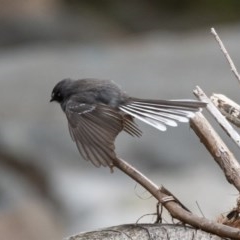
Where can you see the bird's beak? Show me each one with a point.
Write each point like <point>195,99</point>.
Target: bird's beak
<point>52,98</point>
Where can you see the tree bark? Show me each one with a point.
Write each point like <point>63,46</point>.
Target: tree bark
<point>146,232</point>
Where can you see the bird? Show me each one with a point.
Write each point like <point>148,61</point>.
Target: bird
<point>98,110</point>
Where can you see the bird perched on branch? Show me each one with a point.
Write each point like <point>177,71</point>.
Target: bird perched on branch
<point>98,110</point>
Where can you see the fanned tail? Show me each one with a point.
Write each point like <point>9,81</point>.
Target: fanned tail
<point>162,113</point>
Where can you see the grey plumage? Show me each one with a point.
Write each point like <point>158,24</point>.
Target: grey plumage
<point>98,110</point>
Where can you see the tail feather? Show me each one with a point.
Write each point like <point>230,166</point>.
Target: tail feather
<point>145,119</point>
<point>181,116</point>
<point>162,113</point>
<point>183,103</point>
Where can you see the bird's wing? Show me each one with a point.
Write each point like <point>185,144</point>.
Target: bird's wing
<point>94,129</point>
<point>162,113</point>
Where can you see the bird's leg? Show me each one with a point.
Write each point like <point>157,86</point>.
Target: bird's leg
<point>111,166</point>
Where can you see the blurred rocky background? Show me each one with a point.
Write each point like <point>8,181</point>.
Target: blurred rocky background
<point>153,49</point>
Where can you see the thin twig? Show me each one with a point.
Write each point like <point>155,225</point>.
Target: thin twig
<point>174,207</point>
<point>227,127</point>
<point>224,50</point>
<point>200,210</point>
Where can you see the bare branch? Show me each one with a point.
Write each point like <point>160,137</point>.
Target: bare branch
<point>220,152</point>
<point>224,50</point>
<point>174,208</point>
<point>218,116</point>
<point>227,107</point>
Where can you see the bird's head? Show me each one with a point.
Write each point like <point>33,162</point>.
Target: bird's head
<point>61,91</point>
